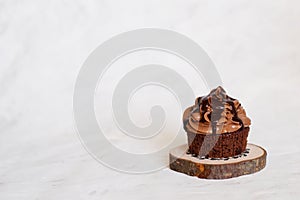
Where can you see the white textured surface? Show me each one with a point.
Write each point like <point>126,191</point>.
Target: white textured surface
<point>254,44</point>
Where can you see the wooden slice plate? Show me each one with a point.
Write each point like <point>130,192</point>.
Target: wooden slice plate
<point>253,162</point>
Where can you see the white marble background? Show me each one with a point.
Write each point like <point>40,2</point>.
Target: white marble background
<point>254,43</point>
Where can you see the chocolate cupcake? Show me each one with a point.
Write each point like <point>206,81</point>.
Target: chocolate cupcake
<point>216,126</point>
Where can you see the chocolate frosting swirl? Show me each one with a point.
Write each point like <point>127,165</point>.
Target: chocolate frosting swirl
<point>215,113</point>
